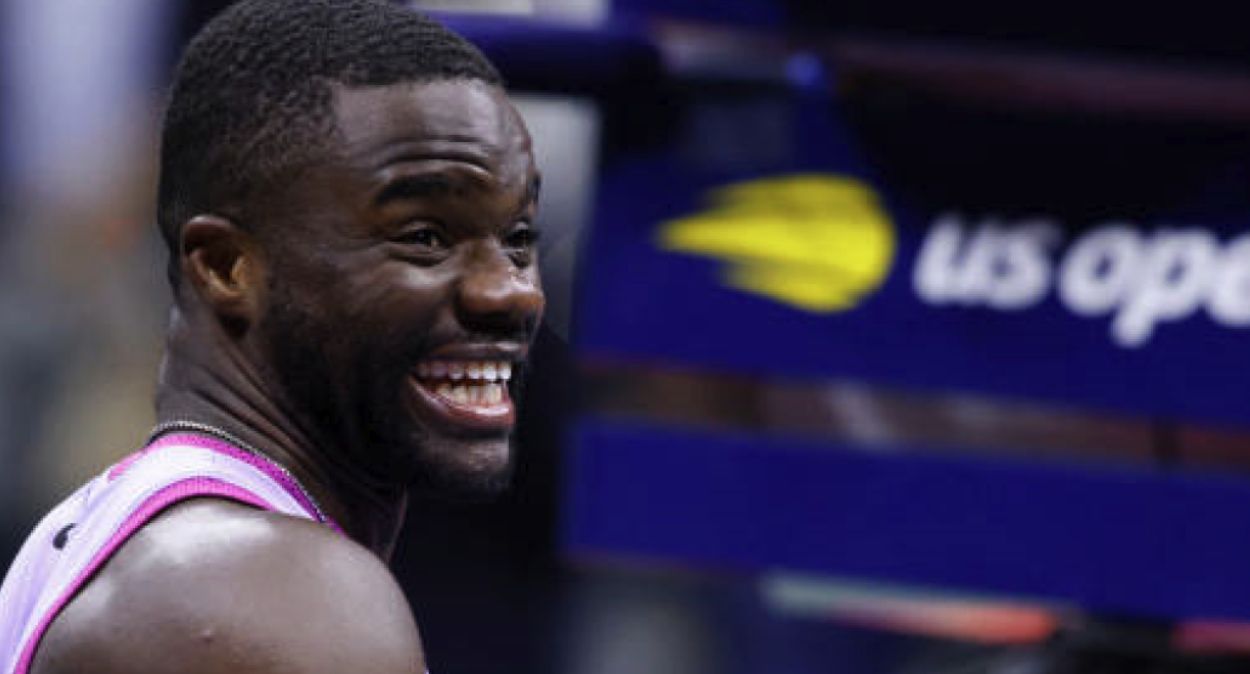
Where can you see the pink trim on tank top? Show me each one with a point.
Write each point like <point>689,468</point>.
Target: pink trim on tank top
<point>122,466</point>
<point>266,466</point>
<point>168,496</point>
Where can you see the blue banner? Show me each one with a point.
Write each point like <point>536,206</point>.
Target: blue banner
<point>764,241</point>
<point>1109,539</point>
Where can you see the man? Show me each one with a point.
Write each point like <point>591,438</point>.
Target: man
<point>348,200</point>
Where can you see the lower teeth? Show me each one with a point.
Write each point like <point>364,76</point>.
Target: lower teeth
<point>474,394</point>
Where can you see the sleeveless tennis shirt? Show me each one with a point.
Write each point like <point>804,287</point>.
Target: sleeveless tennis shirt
<point>74,540</point>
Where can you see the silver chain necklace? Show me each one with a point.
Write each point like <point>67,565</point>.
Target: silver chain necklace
<point>168,427</point>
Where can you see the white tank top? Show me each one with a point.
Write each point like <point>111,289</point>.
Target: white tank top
<point>74,540</point>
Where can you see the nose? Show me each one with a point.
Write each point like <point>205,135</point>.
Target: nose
<point>496,295</point>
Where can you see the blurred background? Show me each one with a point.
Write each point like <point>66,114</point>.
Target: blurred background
<point>896,338</point>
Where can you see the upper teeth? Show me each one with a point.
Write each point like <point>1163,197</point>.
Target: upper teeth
<point>482,370</point>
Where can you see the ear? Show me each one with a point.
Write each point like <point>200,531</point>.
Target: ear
<point>223,265</point>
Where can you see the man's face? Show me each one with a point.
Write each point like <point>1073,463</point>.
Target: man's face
<point>403,284</point>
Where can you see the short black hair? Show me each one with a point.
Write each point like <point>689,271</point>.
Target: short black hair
<point>252,95</point>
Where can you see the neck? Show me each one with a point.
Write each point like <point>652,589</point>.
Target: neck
<point>207,379</point>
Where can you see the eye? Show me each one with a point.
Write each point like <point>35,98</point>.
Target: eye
<point>521,242</point>
<point>422,237</point>
<point>522,237</point>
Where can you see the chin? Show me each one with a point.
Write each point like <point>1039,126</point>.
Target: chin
<point>465,469</point>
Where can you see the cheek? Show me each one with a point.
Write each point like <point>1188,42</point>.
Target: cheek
<point>394,311</point>
<point>365,313</point>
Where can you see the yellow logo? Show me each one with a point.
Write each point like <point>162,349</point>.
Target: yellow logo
<point>820,243</point>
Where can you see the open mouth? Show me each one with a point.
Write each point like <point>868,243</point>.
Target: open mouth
<point>470,393</point>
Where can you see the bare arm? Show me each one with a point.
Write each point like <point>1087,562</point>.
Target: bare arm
<point>213,587</point>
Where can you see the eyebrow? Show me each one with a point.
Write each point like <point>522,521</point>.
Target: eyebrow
<point>415,186</point>
<point>432,185</point>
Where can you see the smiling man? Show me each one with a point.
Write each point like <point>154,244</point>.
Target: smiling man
<point>348,197</point>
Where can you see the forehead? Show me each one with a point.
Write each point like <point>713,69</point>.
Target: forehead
<point>464,120</point>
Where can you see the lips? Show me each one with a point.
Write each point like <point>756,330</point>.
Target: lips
<point>469,393</point>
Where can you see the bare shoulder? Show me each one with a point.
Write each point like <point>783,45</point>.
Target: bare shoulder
<point>213,586</point>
